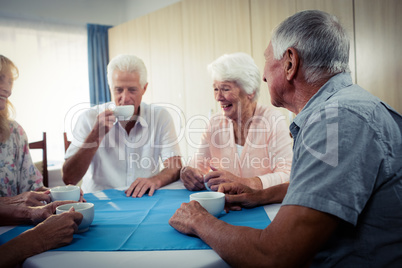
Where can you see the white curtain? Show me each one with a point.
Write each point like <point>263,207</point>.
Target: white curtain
<point>53,83</point>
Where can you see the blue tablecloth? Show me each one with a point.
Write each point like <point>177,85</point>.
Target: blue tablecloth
<point>123,223</point>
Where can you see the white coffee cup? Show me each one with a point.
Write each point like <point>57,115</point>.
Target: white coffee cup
<point>67,192</point>
<point>206,185</point>
<point>213,202</point>
<point>124,112</point>
<point>86,209</point>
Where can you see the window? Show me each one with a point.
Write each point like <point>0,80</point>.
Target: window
<point>53,83</point>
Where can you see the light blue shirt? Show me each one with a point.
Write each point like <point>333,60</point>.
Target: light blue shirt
<point>348,162</point>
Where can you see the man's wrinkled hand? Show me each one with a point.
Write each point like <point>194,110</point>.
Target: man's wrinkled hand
<point>104,123</point>
<point>142,185</point>
<point>238,196</point>
<point>187,216</point>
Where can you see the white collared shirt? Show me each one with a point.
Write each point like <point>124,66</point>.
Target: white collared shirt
<point>122,158</point>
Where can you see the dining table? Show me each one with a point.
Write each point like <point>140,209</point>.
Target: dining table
<point>134,232</point>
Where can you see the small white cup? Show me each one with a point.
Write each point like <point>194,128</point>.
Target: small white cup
<point>68,192</point>
<point>206,185</point>
<point>125,112</point>
<point>86,209</point>
<point>213,202</point>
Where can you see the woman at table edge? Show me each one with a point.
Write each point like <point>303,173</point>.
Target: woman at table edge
<point>248,142</point>
<point>20,180</point>
<point>55,230</point>
<point>17,172</point>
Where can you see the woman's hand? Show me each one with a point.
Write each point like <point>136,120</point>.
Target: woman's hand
<point>54,232</point>
<point>57,230</point>
<point>39,214</point>
<point>218,176</point>
<point>32,198</point>
<point>192,178</point>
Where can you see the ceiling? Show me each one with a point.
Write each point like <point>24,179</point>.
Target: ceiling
<point>80,12</point>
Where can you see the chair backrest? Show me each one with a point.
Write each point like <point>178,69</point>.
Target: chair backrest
<point>42,145</point>
<point>66,142</point>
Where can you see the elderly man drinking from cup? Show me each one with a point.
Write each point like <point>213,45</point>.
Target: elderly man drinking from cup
<point>248,142</point>
<point>110,154</point>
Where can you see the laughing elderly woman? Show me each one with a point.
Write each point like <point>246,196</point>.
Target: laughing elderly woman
<point>248,142</point>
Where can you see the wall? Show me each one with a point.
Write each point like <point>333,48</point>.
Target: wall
<point>378,56</point>
<point>177,42</point>
<point>266,15</point>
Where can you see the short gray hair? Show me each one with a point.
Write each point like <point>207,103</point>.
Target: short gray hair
<point>239,68</point>
<point>127,63</point>
<point>321,41</point>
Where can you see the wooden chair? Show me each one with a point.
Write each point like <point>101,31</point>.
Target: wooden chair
<point>42,145</point>
<point>66,142</point>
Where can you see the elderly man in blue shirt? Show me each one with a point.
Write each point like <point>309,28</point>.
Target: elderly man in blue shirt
<point>343,204</point>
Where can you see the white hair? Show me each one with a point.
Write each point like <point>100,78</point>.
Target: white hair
<point>127,63</point>
<point>320,40</point>
<point>239,68</point>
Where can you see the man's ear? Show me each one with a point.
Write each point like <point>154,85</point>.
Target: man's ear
<point>145,88</point>
<point>291,63</point>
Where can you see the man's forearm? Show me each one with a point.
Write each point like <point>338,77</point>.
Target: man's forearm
<point>14,215</point>
<point>171,172</point>
<point>254,183</point>
<point>76,166</point>
<point>219,235</point>
<point>12,254</point>
<point>168,175</point>
<point>15,251</point>
<point>273,194</point>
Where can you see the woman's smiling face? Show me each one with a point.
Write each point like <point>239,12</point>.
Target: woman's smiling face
<point>232,99</point>
<point>6,84</point>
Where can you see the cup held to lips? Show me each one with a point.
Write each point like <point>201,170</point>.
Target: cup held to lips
<point>86,209</point>
<point>213,202</point>
<point>67,192</point>
<point>124,112</point>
